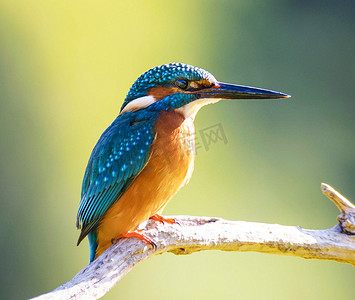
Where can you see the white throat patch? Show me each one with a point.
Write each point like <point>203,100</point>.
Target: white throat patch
<point>191,109</point>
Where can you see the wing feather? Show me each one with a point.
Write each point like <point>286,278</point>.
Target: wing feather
<point>118,157</point>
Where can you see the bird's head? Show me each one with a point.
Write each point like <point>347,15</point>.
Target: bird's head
<point>185,88</point>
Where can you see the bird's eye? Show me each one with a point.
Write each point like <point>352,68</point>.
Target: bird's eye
<point>182,84</point>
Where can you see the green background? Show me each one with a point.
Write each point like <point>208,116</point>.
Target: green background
<point>65,68</point>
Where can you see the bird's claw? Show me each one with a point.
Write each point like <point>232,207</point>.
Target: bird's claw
<point>163,220</point>
<point>137,234</point>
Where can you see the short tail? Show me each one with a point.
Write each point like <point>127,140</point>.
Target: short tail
<point>92,236</point>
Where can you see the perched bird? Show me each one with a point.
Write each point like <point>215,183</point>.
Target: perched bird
<point>139,163</point>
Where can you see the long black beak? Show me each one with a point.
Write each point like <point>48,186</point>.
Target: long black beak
<point>232,91</point>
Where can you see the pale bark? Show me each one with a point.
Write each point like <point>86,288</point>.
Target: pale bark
<point>193,234</point>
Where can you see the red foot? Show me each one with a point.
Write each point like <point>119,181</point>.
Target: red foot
<point>161,219</point>
<point>139,235</point>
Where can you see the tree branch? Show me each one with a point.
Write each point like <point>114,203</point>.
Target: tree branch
<point>193,234</point>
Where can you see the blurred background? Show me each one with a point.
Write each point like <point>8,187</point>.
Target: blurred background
<point>65,68</point>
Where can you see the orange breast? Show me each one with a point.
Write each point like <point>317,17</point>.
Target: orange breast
<point>168,169</point>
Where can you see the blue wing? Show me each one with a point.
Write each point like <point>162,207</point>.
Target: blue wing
<point>118,157</point>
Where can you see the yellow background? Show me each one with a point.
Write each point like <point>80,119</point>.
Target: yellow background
<point>65,68</point>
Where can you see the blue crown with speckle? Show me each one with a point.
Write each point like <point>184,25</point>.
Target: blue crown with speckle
<point>165,75</point>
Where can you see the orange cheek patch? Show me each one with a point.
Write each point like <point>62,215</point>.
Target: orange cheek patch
<point>160,92</point>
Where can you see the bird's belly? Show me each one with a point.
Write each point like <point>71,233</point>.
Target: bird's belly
<point>168,169</point>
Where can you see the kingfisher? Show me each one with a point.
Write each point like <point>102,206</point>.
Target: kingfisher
<point>141,160</point>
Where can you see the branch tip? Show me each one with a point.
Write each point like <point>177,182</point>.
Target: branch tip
<point>347,209</point>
